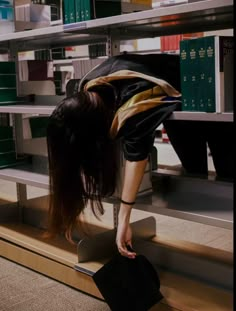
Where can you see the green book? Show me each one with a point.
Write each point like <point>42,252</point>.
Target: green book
<point>7,145</point>
<point>87,6</point>
<point>78,10</point>
<point>208,89</point>
<point>82,10</point>
<point>194,74</point>
<point>198,77</point>
<point>7,158</point>
<point>38,126</point>
<point>201,52</point>
<point>185,75</point>
<point>71,11</point>
<point>66,11</point>
<point>7,80</point>
<point>209,63</point>
<point>8,95</point>
<point>7,67</point>
<point>6,132</point>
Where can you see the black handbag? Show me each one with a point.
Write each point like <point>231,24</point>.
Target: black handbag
<point>129,284</point>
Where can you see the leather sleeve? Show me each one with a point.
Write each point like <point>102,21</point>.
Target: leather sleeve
<point>138,133</point>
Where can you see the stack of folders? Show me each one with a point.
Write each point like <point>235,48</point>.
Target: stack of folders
<point>207,74</point>
<point>55,7</point>
<point>31,16</point>
<point>81,10</point>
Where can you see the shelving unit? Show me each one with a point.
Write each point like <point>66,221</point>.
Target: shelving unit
<point>194,17</point>
<point>24,109</point>
<point>155,203</point>
<point>197,16</point>
<point>25,175</point>
<point>202,116</point>
<point>17,242</point>
<point>177,115</point>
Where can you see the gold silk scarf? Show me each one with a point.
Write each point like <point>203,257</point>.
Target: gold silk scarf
<point>139,102</point>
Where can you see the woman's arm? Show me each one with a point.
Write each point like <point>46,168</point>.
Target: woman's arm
<point>133,175</point>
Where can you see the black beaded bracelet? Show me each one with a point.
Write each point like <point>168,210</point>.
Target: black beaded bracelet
<point>128,203</point>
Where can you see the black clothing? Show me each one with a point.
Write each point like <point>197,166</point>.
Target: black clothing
<point>129,284</point>
<point>163,66</point>
<point>139,132</point>
<point>190,139</point>
<point>141,91</point>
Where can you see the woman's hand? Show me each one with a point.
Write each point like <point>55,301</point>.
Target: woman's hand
<point>124,238</point>
<point>133,175</point>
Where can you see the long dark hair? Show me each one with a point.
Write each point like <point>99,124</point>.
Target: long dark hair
<point>82,160</point>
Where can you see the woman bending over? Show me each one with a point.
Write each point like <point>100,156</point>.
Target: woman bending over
<point>122,100</point>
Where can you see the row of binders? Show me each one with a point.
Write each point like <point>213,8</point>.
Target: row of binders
<point>207,82</point>
<point>81,10</point>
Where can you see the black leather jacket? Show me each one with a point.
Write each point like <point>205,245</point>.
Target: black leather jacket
<point>142,90</point>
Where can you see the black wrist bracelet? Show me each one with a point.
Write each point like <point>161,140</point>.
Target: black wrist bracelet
<point>128,203</point>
